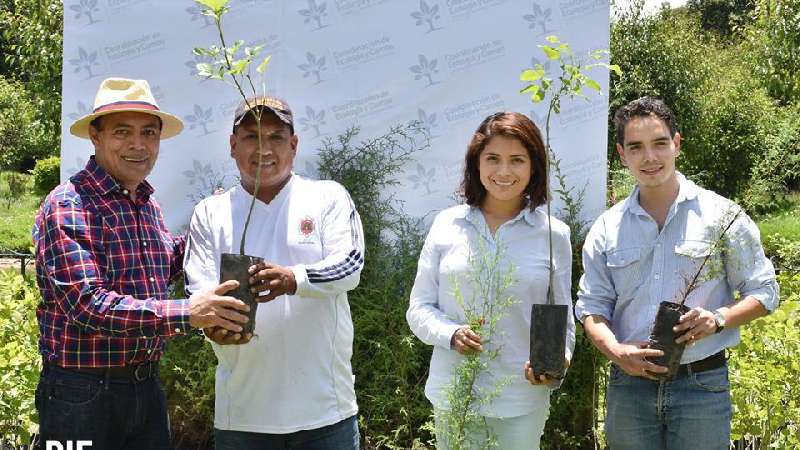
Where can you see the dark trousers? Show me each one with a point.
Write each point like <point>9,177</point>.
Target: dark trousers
<point>111,413</point>
<point>339,436</point>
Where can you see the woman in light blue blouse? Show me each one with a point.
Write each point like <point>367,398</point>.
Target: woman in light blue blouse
<point>504,188</point>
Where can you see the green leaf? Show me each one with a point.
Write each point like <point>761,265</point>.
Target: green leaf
<point>537,96</point>
<point>531,88</point>
<point>214,5</point>
<point>204,69</point>
<point>550,52</point>
<point>263,66</point>
<point>615,68</point>
<point>531,74</point>
<point>592,84</point>
<point>239,66</point>
<point>553,39</point>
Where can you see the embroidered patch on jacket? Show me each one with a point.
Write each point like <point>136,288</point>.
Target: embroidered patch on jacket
<point>307,226</point>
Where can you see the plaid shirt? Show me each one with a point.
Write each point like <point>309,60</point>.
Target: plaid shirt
<point>103,265</point>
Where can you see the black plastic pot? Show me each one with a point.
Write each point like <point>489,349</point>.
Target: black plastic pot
<point>663,338</point>
<point>234,267</point>
<point>548,340</point>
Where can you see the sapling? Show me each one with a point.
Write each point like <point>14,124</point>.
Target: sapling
<point>232,65</point>
<point>662,336</point>
<point>549,321</point>
<point>464,426</point>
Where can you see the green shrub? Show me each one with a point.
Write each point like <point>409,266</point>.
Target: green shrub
<point>16,219</point>
<point>774,40</point>
<point>389,363</point>
<point>19,359</point>
<point>21,134</point>
<point>764,371</point>
<point>46,174</point>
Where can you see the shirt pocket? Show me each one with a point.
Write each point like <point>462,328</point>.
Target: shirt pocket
<point>625,266</point>
<point>690,257</point>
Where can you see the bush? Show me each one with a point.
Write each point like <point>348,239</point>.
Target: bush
<point>389,363</point>
<point>764,372</point>
<point>19,359</point>
<point>774,40</point>
<point>46,174</point>
<point>21,134</point>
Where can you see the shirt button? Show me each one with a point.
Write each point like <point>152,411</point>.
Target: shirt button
<point>152,279</point>
<point>177,330</point>
<point>657,276</point>
<point>149,351</point>
<point>144,244</point>
<point>125,192</point>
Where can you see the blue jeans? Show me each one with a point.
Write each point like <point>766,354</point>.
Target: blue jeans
<point>691,412</point>
<point>339,436</point>
<point>113,414</point>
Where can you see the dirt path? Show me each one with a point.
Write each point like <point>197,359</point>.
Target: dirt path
<point>5,263</point>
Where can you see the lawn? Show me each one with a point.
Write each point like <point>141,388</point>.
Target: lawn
<point>785,222</point>
<point>16,216</point>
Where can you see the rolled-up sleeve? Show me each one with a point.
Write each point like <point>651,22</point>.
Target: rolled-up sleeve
<point>596,292</point>
<point>429,323</point>
<point>747,268</point>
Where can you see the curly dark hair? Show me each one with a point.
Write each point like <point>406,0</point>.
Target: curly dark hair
<point>643,107</point>
<point>512,125</point>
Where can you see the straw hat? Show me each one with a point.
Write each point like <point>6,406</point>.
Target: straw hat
<point>121,95</point>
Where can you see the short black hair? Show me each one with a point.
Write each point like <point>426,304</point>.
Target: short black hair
<point>643,107</point>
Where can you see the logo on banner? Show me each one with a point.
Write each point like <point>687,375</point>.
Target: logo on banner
<point>367,105</point>
<point>192,65</point>
<point>427,122</point>
<point>463,8</point>
<point>579,110</point>
<point>539,19</point>
<point>80,111</point>
<point>423,178</point>
<point>200,119</point>
<point>425,69</point>
<point>474,109</point>
<point>85,9</point>
<point>196,13</point>
<point>313,120</point>
<point>313,66</point>
<point>315,12</point>
<point>427,15</point>
<point>84,62</point>
<point>573,8</point>
<point>475,55</point>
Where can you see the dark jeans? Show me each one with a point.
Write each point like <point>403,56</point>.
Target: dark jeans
<point>112,413</point>
<point>339,436</point>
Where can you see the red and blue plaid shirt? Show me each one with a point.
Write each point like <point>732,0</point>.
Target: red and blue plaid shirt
<point>103,265</point>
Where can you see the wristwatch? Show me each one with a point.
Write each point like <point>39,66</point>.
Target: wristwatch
<point>719,320</point>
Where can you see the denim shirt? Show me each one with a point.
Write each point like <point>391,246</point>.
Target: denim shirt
<point>630,266</point>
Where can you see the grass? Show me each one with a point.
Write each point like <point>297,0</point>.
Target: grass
<point>16,216</point>
<point>785,222</point>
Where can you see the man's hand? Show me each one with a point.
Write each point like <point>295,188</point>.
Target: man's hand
<point>543,379</point>
<point>223,337</point>
<point>630,357</point>
<point>211,308</point>
<point>275,279</point>
<point>694,325</point>
<point>466,341</point>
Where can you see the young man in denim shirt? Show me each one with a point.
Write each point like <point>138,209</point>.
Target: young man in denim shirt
<point>641,252</point>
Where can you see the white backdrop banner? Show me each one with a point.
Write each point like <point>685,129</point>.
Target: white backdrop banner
<point>372,63</point>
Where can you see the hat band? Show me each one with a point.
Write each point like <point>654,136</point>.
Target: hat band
<point>126,105</point>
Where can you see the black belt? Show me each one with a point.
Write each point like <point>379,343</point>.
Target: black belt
<point>714,361</point>
<point>134,373</point>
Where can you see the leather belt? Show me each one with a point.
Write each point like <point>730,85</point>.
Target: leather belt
<point>714,361</point>
<point>134,373</point>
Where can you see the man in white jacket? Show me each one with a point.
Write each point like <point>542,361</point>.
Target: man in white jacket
<point>290,385</point>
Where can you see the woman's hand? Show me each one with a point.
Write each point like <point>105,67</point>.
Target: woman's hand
<point>466,341</point>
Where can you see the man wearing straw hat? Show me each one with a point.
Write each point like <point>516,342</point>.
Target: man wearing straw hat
<point>104,261</point>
